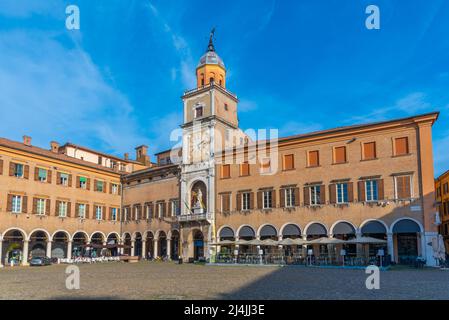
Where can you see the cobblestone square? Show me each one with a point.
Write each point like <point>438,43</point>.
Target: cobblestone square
<point>159,280</point>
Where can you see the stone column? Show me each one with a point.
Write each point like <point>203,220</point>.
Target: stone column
<point>169,248</point>
<point>390,245</point>
<point>1,252</point>
<point>69,249</point>
<point>133,249</point>
<point>155,254</point>
<point>25,253</point>
<point>49,243</point>
<point>144,248</point>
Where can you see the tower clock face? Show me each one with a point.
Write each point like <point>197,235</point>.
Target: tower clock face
<point>199,146</point>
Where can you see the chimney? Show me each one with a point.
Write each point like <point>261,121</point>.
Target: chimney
<point>54,146</point>
<point>126,156</point>
<point>142,155</point>
<point>27,140</point>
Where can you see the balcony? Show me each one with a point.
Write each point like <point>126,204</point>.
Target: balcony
<point>194,217</point>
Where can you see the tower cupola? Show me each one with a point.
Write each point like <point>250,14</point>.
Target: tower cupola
<point>211,67</point>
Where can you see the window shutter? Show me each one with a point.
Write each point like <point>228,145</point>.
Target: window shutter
<point>26,171</point>
<point>34,206</point>
<point>332,193</point>
<point>95,185</point>
<point>259,199</point>
<point>369,150</point>
<point>77,210</point>
<point>164,209</point>
<point>47,207</point>
<point>322,194</point>
<point>401,146</point>
<point>88,184</point>
<point>9,203</point>
<point>244,169</point>
<point>225,203</point>
<point>288,162</point>
<point>110,188</point>
<point>314,158</point>
<point>340,154</point>
<point>306,196</point>
<point>282,197</point>
<point>407,189</point>
<point>380,189</point>
<point>1,166</point>
<point>238,201</point>
<point>69,209</point>
<point>70,180</point>
<point>105,186</point>
<point>119,189</point>
<point>48,176</point>
<point>105,214</point>
<point>350,191</point>
<point>78,182</point>
<point>273,197</point>
<point>87,215</point>
<point>251,200</point>
<point>24,204</point>
<point>361,190</point>
<point>58,177</point>
<point>36,173</point>
<point>57,207</point>
<point>296,191</point>
<point>11,169</point>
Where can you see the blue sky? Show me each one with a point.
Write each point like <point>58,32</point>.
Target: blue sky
<point>116,83</point>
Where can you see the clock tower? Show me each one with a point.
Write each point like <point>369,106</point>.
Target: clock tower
<point>210,123</point>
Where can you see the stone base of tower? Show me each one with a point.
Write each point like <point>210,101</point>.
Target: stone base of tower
<point>195,241</point>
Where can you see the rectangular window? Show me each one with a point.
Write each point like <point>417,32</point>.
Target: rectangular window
<point>225,171</point>
<point>98,213</point>
<point>246,197</point>
<point>401,146</point>
<point>81,210</point>
<point>198,112</point>
<point>371,190</point>
<point>114,188</point>
<point>114,214</point>
<point>175,211</point>
<point>100,186</point>
<point>40,206</point>
<point>16,204</point>
<point>160,210</point>
<point>83,182</point>
<point>315,195</point>
<point>446,188</point>
<point>62,212</point>
<point>42,175</point>
<point>313,158</point>
<point>290,197</point>
<point>340,155</point>
<point>64,179</point>
<point>244,169</point>
<point>342,192</point>
<point>18,170</point>
<point>267,199</point>
<point>289,162</point>
<point>403,187</point>
<point>369,151</point>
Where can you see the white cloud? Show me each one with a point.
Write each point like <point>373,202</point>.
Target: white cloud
<point>53,92</point>
<point>411,104</point>
<point>295,127</point>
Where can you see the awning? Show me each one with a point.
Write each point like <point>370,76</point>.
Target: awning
<point>291,230</point>
<point>325,240</point>
<point>343,228</point>
<point>246,232</point>
<point>226,232</point>
<point>316,229</point>
<point>366,240</point>
<point>374,227</point>
<point>406,226</point>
